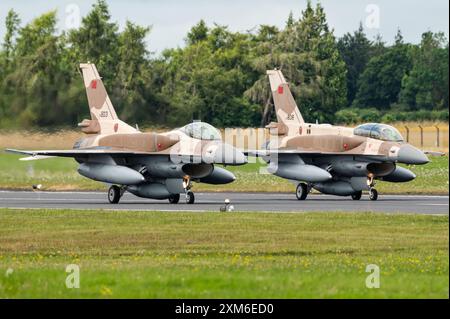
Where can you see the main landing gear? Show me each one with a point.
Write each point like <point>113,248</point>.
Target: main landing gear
<point>174,198</point>
<point>115,193</point>
<point>357,195</point>
<point>302,191</point>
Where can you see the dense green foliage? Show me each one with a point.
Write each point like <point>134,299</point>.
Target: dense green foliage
<point>219,75</point>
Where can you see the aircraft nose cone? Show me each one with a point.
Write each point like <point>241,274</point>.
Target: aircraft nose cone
<point>229,155</point>
<point>411,155</point>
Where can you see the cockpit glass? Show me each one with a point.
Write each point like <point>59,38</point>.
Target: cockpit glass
<point>201,131</point>
<point>379,131</point>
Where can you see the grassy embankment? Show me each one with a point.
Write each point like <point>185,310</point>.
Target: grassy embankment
<point>212,255</point>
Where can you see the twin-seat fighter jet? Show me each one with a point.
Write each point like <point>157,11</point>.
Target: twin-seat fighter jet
<point>150,165</point>
<point>332,159</point>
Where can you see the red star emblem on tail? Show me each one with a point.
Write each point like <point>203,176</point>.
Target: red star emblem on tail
<point>280,90</point>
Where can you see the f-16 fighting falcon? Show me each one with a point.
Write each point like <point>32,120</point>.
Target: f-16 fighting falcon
<point>150,165</point>
<point>331,159</point>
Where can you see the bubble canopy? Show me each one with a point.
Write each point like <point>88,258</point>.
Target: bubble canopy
<point>201,131</point>
<point>378,131</point>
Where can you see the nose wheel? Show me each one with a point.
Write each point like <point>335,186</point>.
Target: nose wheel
<point>190,198</point>
<point>373,193</point>
<point>187,184</point>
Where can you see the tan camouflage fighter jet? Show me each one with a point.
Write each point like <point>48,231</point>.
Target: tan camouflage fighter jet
<point>331,159</point>
<point>150,165</point>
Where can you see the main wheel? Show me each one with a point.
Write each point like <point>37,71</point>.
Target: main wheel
<point>301,191</point>
<point>114,194</point>
<point>373,194</point>
<point>357,195</point>
<point>174,198</point>
<point>190,198</point>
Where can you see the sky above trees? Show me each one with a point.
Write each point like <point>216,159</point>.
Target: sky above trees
<point>219,75</point>
<point>171,19</point>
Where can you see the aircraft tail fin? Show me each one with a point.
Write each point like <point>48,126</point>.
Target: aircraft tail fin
<point>104,118</point>
<point>285,106</point>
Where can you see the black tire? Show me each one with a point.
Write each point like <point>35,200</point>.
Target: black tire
<point>114,194</point>
<point>357,195</point>
<point>373,194</point>
<point>174,198</point>
<point>302,191</point>
<point>190,198</point>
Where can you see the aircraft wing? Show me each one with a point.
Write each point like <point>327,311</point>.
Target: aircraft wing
<point>299,152</point>
<point>43,154</point>
<point>432,153</point>
<point>73,153</point>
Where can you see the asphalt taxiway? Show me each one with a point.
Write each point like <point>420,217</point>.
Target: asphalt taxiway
<point>267,202</point>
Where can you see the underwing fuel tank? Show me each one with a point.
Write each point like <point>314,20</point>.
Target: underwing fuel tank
<point>172,170</point>
<point>339,188</point>
<point>399,175</point>
<point>299,172</point>
<point>218,176</point>
<point>113,174</point>
<point>360,169</point>
<point>150,190</point>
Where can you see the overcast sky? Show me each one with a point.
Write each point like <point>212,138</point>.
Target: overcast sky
<point>171,20</point>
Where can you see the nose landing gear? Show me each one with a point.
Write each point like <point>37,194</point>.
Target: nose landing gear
<point>187,185</point>
<point>373,193</point>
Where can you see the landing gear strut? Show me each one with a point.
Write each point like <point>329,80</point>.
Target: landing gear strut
<point>187,184</point>
<point>302,191</point>
<point>373,193</point>
<point>115,193</point>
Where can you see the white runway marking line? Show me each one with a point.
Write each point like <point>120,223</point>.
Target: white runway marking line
<point>433,204</point>
<point>115,209</point>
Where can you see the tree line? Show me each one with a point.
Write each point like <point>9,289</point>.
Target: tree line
<point>218,76</point>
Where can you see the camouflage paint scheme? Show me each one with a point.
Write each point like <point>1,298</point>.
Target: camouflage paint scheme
<point>152,165</point>
<point>332,159</point>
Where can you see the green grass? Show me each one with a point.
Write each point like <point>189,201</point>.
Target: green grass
<point>213,255</point>
<point>60,174</point>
